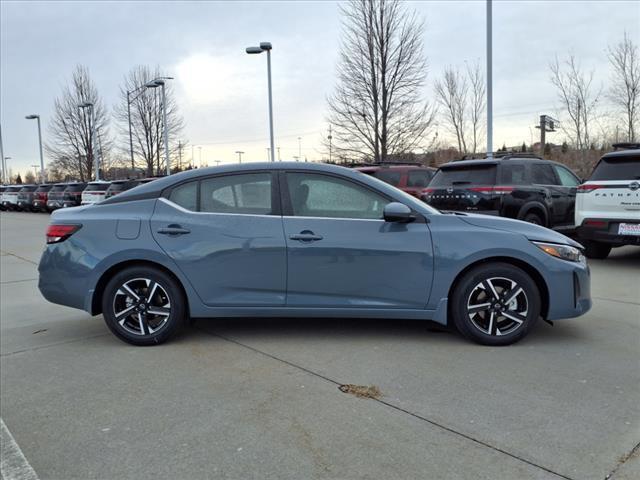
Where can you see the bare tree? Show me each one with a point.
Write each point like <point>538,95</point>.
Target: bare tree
<point>376,109</point>
<point>452,92</point>
<point>70,131</point>
<point>146,119</point>
<point>625,82</point>
<point>578,98</point>
<point>477,104</point>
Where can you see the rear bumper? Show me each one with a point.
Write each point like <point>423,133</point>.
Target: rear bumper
<point>608,233</point>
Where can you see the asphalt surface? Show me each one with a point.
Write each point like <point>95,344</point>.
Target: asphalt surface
<point>259,398</point>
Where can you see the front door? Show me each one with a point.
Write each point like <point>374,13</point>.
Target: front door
<point>341,253</point>
<point>225,234</point>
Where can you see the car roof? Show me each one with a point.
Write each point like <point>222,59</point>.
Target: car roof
<point>371,168</point>
<point>155,188</point>
<point>632,152</point>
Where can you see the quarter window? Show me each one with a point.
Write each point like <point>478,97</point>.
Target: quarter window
<point>247,193</point>
<point>315,195</point>
<point>186,196</point>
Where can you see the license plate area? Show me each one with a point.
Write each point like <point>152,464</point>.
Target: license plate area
<point>629,229</point>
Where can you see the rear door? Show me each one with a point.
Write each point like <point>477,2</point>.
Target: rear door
<point>225,234</point>
<point>544,175</point>
<point>342,254</point>
<point>569,184</point>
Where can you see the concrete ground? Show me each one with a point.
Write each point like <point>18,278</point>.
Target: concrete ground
<point>248,398</point>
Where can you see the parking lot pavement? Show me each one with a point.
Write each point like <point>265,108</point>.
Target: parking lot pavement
<point>249,398</point>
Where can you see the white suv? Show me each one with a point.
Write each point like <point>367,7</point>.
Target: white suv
<point>608,204</point>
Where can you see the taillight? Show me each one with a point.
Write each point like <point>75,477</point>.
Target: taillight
<point>584,188</point>
<point>499,190</point>
<point>594,223</point>
<point>426,191</point>
<point>59,233</point>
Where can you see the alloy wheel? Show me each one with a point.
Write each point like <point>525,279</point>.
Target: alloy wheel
<point>497,306</point>
<point>141,306</point>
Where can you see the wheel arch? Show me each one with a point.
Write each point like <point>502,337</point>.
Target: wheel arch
<point>96,300</point>
<point>526,267</point>
<point>534,207</point>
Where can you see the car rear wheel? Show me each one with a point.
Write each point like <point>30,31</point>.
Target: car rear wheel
<point>596,250</point>
<point>143,306</point>
<point>495,304</point>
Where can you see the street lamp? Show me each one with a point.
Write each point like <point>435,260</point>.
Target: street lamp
<point>37,117</point>
<point>129,102</point>
<point>239,156</point>
<point>160,82</point>
<point>266,47</point>
<point>5,172</point>
<point>92,121</point>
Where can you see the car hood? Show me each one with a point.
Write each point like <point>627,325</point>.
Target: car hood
<point>529,230</point>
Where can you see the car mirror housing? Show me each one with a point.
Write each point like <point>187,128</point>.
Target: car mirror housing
<point>398,212</point>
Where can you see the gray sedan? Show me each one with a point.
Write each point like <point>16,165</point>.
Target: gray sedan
<point>304,240</point>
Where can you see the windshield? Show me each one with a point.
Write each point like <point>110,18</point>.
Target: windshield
<point>617,168</point>
<point>467,175</point>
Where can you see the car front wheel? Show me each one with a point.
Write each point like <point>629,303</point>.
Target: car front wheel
<point>143,306</point>
<point>495,304</point>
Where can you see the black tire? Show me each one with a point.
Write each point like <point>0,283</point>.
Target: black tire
<point>596,250</point>
<point>472,289</point>
<point>534,218</point>
<point>167,300</point>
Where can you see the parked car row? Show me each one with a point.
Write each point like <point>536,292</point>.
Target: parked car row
<point>602,211</point>
<point>48,197</point>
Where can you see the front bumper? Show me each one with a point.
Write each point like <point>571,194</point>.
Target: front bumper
<point>608,233</point>
<point>569,291</point>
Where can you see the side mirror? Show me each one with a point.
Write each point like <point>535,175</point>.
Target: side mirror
<point>398,212</point>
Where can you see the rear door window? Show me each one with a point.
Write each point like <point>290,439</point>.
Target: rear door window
<point>620,168</point>
<point>391,177</point>
<point>467,175</point>
<point>418,178</point>
<point>543,174</point>
<point>248,194</point>
<point>513,174</point>
<point>186,195</point>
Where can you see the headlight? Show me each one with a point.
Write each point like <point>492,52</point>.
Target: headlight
<point>565,252</point>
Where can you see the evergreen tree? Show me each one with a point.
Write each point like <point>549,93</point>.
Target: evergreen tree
<point>524,147</point>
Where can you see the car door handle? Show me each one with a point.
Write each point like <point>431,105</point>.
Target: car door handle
<point>306,236</point>
<point>173,230</point>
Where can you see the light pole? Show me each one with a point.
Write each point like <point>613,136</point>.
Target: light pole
<point>2,157</point>
<point>37,117</point>
<point>5,172</point>
<point>199,156</point>
<point>239,156</point>
<point>299,148</point>
<point>160,82</point>
<point>489,82</point>
<point>35,170</point>
<point>92,121</point>
<point>266,47</point>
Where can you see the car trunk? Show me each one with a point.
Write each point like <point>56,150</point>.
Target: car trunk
<point>467,188</point>
<point>95,192</point>
<point>613,190</point>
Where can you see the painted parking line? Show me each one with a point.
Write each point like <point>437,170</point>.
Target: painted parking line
<point>13,464</point>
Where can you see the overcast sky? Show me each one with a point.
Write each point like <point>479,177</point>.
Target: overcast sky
<point>221,91</point>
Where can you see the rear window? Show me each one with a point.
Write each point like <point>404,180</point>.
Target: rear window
<point>118,187</point>
<point>620,168</point>
<point>75,188</point>
<point>419,178</point>
<point>389,176</point>
<point>96,187</point>
<point>43,188</point>
<point>57,188</point>
<point>28,189</point>
<point>471,174</point>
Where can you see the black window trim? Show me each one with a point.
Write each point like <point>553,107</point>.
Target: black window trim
<point>276,207</point>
